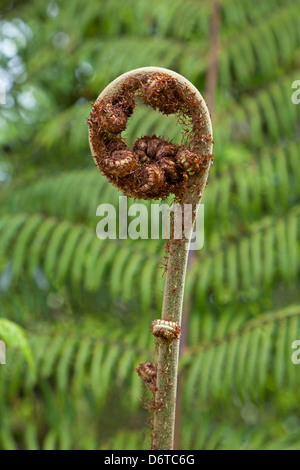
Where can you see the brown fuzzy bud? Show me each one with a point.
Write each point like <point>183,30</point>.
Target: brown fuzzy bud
<point>149,179</point>
<point>111,118</point>
<point>140,149</point>
<point>115,144</point>
<point>190,161</point>
<point>167,150</point>
<point>152,147</point>
<point>155,167</point>
<point>161,92</point>
<point>125,102</point>
<point>141,144</point>
<point>148,373</point>
<point>170,169</point>
<point>166,331</point>
<point>120,162</point>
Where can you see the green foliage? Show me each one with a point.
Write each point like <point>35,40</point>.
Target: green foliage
<point>14,336</point>
<point>87,305</point>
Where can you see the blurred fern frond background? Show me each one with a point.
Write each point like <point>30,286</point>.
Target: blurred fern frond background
<point>76,311</point>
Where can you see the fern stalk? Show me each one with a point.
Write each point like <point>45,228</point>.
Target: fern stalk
<point>167,366</point>
<point>106,121</point>
<point>168,355</point>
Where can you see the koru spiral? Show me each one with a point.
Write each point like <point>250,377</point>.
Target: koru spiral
<point>155,167</point>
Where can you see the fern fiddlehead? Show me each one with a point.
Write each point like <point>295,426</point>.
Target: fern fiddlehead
<point>155,168</point>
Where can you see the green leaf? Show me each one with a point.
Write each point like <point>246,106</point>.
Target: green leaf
<point>15,337</point>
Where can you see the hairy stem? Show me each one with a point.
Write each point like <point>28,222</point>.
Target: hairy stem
<point>164,417</point>
<point>168,354</point>
<point>201,143</point>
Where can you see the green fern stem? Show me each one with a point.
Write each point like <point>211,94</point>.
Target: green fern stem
<point>168,353</point>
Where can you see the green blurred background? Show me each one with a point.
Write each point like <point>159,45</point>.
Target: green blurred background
<point>84,305</point>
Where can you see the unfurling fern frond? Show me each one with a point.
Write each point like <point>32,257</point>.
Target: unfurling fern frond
<point>86,305</point>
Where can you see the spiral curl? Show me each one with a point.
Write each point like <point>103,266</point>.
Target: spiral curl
<point>155,167</point>
<point>148,373</point>
<point>166,331</point>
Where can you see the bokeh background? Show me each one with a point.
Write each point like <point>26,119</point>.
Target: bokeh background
<point>84,305</point>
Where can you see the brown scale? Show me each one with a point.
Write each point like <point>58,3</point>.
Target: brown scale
<point>166,331</point>
<point>148,373</point>
<point>140,149</point>
<point>113,144</point>
<point>166,150</point>
<point>149,179</point>
<point>154,144</point>
<point>170,169</point>
<point>125,102</point>
<point>110,118</point>
<point>161,92</point>
<point>120,162</point>
<point>190,162</point>
<point>153,148</point>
